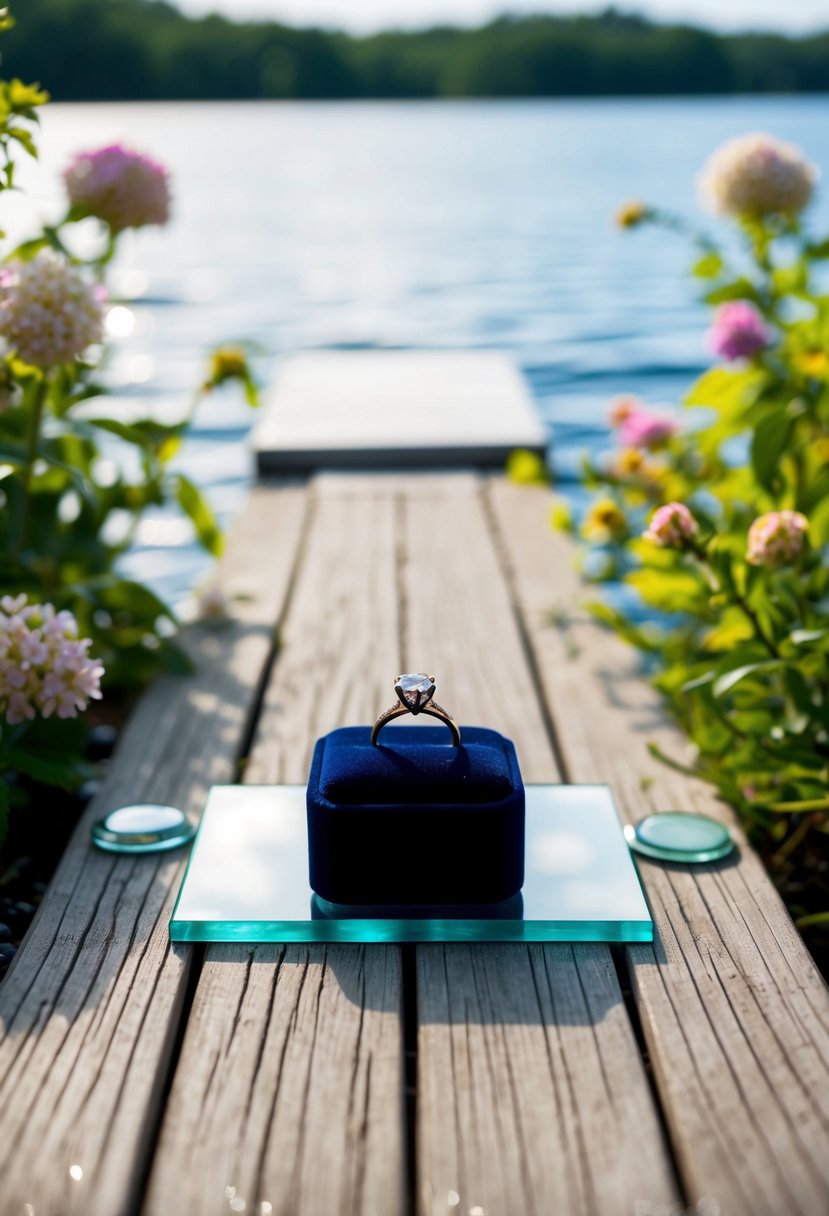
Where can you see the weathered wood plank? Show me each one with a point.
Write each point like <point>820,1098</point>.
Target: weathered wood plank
<point>289,1088</point>
<point>734,1012</point>
<point>91,1007</point>
<point>532,1095</point>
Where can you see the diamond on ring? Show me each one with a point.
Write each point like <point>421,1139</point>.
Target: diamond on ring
<point>415,692</point>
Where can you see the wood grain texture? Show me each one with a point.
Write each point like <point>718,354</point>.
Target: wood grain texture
<point>289,1087</point>
<point>532,1095</point>
<point>90,1009</point>
<point>734,1012</point>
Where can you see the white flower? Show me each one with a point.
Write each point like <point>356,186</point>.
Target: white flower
<point>757,175</point>
<point>49,313</point>
<point>44,667</point>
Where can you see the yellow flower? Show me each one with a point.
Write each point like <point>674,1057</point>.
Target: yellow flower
<point>231,363</point>
<point>631,214</point>
<point>630,463</point>
<point>812,363</point>
<point>605,521</point>
<point>560,517</point>
<point>526,468</point>
<point>228,363</point>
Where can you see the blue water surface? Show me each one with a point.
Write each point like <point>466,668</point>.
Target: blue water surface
<point>354,226</point>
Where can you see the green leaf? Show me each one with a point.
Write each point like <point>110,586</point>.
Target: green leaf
<point>818,250</point>
<point>802,637</point>
<point>129,433</point>
<point>725,683</point>
<point>175,660</point>
<point>740,289</point>
<point>50,770</point>
<point>768,444</point>
<point>671,591</point>
<point>708,266</point>
<point>698,682</point>
<point>118,595</point>
<point>24,138</point>
<point>5,803</point>
<point>195,506</point>
<point>725,390</point>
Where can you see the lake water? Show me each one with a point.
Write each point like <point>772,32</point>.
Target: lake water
<point>468,224</point>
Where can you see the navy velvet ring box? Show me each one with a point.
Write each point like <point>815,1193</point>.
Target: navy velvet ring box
<point>415,820</point>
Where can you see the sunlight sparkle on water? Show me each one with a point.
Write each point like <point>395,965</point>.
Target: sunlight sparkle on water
<point>120,321</point>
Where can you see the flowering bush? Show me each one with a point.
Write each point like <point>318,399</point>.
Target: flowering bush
<point>722,525</point>
<point>45,671</point>
<point>67,514</point>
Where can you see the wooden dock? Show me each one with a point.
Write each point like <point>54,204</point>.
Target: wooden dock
<point>396,409</point>
<point>486,1080</point>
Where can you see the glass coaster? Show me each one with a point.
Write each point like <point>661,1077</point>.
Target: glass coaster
<point>679,836</point>
<point>146,828</point>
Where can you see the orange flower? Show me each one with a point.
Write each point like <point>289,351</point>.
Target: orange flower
<point>632,213</point>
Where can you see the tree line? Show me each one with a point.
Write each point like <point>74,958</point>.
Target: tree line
<point>148,50</point>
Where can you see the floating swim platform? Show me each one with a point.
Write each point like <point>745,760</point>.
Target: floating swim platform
<point>393,409</point>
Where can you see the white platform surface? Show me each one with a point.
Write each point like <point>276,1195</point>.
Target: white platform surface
<point>396,408</point>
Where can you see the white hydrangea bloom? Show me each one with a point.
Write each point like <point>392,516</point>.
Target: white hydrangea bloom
<point>757,175</point>
<point>49,313</point>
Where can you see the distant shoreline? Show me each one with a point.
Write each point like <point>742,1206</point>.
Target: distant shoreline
<point>417,102</point>
<point>146,50</point>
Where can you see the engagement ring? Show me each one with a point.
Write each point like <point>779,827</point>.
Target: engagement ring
<point>416,692</point>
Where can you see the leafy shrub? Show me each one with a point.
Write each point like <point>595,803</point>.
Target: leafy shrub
<point>721,524</point>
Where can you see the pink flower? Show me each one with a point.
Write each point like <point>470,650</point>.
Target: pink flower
<point>643,429</point>
<point>777,538</point>
<point>671,527</point>
<point>44,667</point>
<point>123,188</point>
<point>738,332</point>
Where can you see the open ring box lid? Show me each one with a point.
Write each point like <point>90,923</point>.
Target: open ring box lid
<point>414,819</point>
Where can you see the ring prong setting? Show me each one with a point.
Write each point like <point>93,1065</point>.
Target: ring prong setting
<point>415,690</point>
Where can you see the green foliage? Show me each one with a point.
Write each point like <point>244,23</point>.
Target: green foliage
<point>99,49</point>
<point>738,640</point>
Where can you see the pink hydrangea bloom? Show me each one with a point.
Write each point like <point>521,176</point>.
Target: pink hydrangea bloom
<point>777,538</point>
<point>757,175</point>
<point>641,428</point>
<point>49,313</point>
<point>671,526</point>
<point>738,332</point>
<point>45,668</point>
<point>125,189</point>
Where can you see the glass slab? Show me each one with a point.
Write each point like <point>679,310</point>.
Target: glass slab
<point>247,879</point>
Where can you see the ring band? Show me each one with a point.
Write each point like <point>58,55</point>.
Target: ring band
<point>415,693</point>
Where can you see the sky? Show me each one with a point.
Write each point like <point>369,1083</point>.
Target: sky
<point>362,16</point>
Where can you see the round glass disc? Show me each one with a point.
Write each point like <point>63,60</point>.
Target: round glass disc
<point>146,828</point>
<point>679,836</point>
